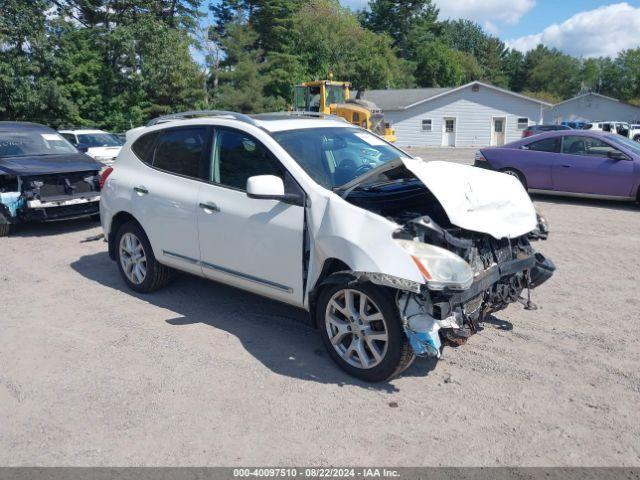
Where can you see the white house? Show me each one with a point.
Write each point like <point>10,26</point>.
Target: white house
<point>475,114</point>
<point>591,107</point>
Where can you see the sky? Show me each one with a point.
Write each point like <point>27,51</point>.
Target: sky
<point>584,28</point>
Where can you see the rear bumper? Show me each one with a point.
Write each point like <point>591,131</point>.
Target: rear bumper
<point>39,211</point>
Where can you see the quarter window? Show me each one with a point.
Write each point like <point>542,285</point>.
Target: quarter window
<point>181,151</point>
<point>143,146</point>
<point>585,146</point>
<point>239,156</point>
<point>523,123</point>
<point>546,145</point>
<point>426,125</point>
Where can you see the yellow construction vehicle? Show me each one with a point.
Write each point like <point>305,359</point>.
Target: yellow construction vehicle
<point>332,98</point>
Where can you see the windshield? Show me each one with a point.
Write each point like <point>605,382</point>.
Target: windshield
<point>92,140</point>
<point>26,143</point>
<point>335,156</point>
<point>627,143</point>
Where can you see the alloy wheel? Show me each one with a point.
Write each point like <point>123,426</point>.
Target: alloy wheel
<point>356,328</point>
<point>133,258</point>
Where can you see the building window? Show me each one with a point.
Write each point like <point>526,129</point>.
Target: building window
<point>523,123</point>
<point>426,125</point>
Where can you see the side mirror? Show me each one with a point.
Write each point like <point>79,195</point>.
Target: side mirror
<point>82,147</point>
<point>616,155</point>
<point>265,186</point>
<point>270,187</point>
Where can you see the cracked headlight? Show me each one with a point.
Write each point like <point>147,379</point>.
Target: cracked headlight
<point>440,268</point>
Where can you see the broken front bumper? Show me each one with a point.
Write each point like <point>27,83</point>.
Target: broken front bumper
<point>37,210</point>
<point>425,315</point>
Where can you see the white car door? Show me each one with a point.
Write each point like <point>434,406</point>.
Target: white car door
<point>254,244</point>
<point>165,199</point>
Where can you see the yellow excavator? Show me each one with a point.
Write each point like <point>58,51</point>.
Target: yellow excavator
<point>332,98</point>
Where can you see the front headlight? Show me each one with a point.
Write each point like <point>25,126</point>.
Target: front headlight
<point>440,268</point>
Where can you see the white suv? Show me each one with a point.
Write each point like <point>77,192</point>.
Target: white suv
<point>392,256</point>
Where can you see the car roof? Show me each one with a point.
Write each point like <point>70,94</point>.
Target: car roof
<point>82,130</point>
<point>24,126</point>
<point>283,124</point>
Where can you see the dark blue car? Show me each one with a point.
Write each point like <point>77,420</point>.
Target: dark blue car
<point>43,177</point>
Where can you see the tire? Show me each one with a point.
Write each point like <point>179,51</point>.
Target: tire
<point>5,226</point>
<point>517,174</point>
<point>394,353</point>
<point>636,138</point>
<point>146,274</point>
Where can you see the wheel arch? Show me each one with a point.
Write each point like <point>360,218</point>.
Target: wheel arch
<point>523,177</point>
<point>117,221</point>
<point>333,270</point>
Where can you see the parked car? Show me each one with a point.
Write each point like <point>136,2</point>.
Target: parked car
<point>634,132</point>
<point>621,128</point>
<point>577,162</point>
<point>536,129</point>
<point>575,125</point>
<point>98,144</point>
<point>389,254</point>
<point>43,177</point>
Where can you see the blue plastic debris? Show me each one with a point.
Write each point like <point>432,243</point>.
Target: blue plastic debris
<point>12,201</point>
<point>423,338</point>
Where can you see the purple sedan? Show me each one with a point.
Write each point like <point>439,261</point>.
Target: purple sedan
<point>576,162</point>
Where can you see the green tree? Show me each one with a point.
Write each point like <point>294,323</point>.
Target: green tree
<point>409,23</point>
<point>438,66</point>
<point>329,39</point>
<point>551,71</point>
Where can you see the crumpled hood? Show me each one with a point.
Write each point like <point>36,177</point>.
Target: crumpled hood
<point>47,164</point>
<point>476,199</point>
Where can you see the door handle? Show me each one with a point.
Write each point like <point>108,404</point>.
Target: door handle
<point>566,166</point>
<point>209,207</point>
<point>140,190</point>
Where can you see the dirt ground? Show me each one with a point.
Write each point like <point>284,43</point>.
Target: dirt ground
<point>202,374</point>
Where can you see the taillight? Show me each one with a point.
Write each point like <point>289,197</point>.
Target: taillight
<point>480,157</point>
<point>526,133</point>
<point>104,176</point>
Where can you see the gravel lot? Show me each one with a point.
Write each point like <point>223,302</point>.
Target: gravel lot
<point>202,374</point>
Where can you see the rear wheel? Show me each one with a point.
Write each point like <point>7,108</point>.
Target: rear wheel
<point>136,261</point>
<point>361,329</point>
<point>517,174</point>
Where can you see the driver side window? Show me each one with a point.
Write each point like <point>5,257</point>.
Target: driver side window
<point>238,156</point>
<point>586,146</point>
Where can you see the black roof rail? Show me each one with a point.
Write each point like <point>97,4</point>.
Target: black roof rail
<point>299,113</point>
<point>202,114</point>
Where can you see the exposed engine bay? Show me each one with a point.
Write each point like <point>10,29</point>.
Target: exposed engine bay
<point>48,197</point>
<point>504,270</point>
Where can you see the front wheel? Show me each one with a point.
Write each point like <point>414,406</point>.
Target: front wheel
<point>361,329</point>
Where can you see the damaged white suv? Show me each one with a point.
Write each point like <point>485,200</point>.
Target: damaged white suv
<point>392,256</point>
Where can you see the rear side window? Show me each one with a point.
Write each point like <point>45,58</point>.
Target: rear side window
<point>181,151</point>
<point>546,145</point>
<point>143,146</point>
<point>239,156</point>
